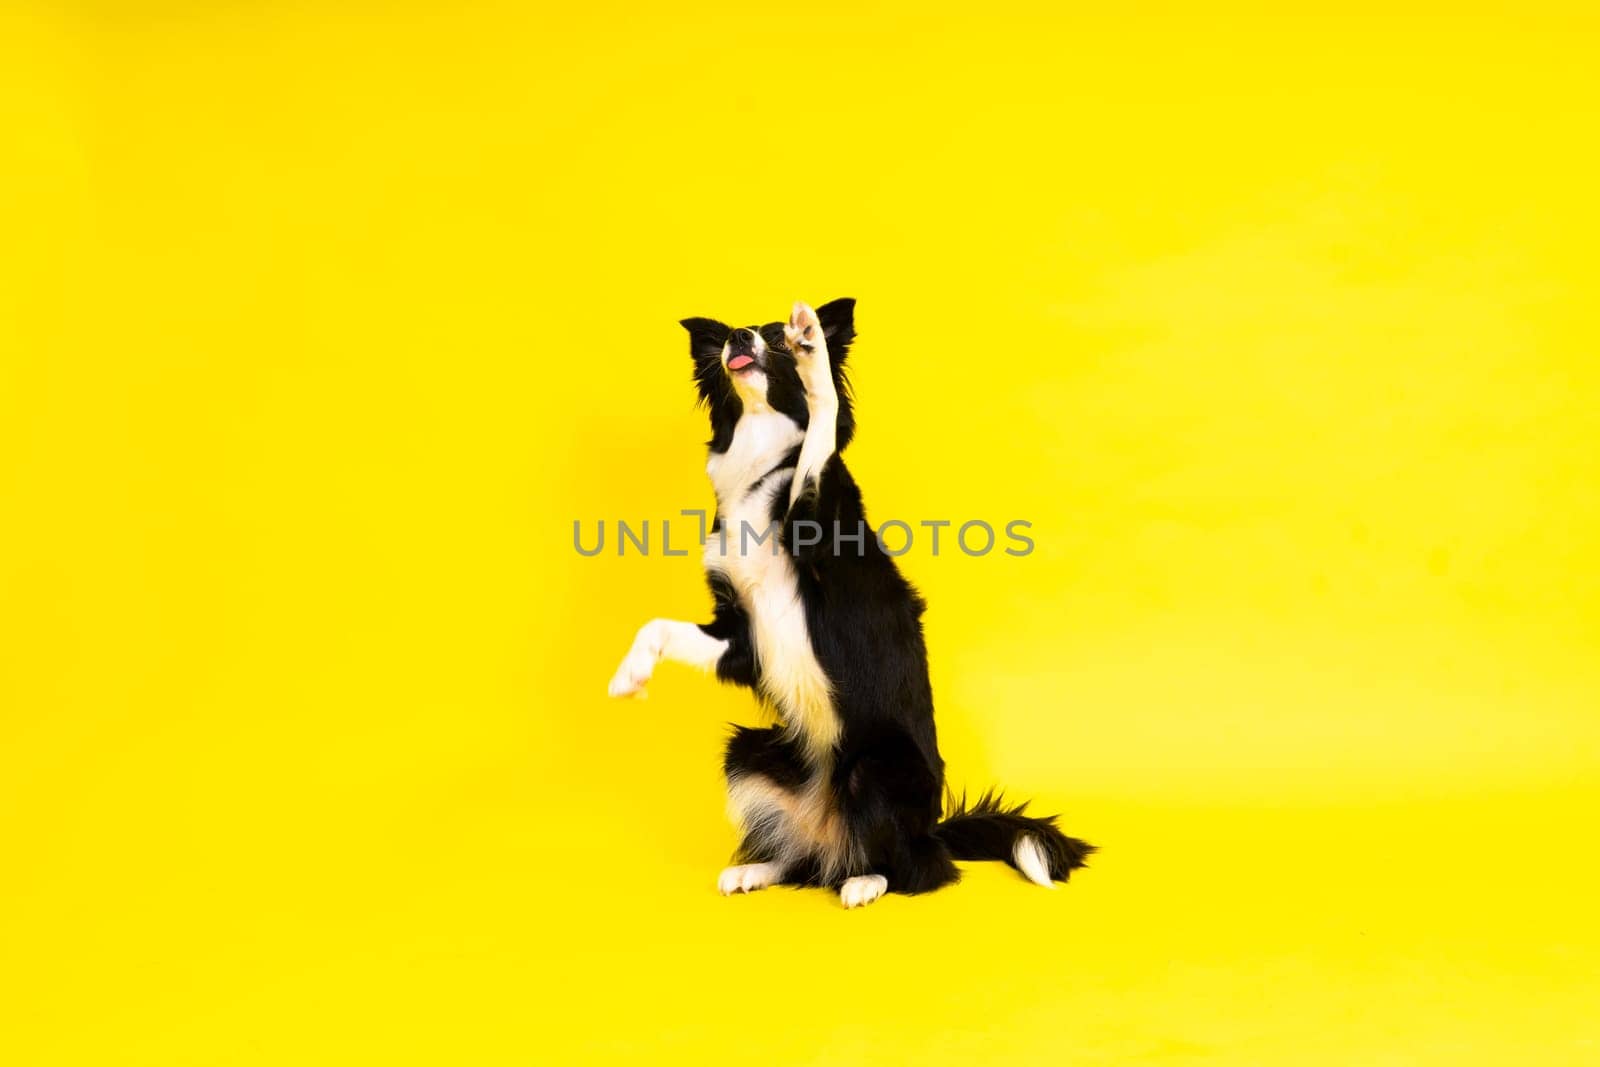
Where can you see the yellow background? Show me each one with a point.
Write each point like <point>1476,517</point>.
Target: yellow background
<point>321,323</point>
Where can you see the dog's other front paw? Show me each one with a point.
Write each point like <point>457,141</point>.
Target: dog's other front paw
<point>634,672</point>
<point>629,681</point>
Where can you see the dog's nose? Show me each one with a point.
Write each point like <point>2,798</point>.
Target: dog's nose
<point>743,338</point>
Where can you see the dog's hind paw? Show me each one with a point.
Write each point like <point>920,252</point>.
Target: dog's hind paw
<point>862,889</point>
<point>748,878</point>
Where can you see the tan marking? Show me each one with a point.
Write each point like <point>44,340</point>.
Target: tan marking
<point>796,824</point>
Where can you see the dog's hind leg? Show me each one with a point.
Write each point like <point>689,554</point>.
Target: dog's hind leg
<point>788,831</point>
<point>891,793</point>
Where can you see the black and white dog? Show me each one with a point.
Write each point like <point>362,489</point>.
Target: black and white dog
<point>847,792</point>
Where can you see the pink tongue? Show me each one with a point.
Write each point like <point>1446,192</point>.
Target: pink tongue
<point>740,362</point>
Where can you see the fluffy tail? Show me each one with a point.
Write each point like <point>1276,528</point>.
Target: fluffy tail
<point>988,829</point>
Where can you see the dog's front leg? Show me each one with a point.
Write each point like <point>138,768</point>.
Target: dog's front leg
<point>810,347</point>
<point>659,639</point>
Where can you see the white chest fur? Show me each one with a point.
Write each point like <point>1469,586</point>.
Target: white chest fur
<point>748,551</point>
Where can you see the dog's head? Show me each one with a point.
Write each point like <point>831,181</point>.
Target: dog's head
<point>750,368</point>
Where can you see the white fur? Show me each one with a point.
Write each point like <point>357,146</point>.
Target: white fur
<point>818,446</point>
<point>862,889</point>
<point>760,439</point>
<point>763,576</point>
<point>748,878</point>
<point>659,639</point>
<point>1031,860</point>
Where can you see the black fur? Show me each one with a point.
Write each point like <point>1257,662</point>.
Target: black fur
<point>885,776</point>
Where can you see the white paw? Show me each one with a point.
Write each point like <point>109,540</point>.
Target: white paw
<point>862,889</point>
<point>803,335</point>
<point>748,878</point>
<point>632,675</point>
<point>638,665</point>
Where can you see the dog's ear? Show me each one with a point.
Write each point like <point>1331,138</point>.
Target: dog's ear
<point>838,318</point>
<point>706,338</point>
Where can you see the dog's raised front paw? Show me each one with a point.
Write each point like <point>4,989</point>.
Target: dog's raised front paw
<point>803,334</point>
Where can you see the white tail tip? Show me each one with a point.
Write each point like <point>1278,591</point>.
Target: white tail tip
<point>1031,861</point>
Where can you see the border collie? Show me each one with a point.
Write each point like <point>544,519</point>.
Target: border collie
<point>848,791</point>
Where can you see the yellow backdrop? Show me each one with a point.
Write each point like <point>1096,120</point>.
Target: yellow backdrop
<point>320,324</point>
